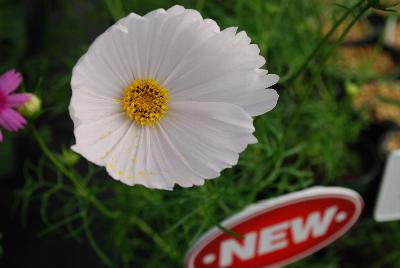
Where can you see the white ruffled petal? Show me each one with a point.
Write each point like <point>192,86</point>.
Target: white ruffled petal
<point>86,109</point>
<point>259,102</point>
<point>220,54</point>
<point>145,156</point>
<point>196,141</point>
<point>96,140</point>
<point>176,169</point>
<point>138,160</point>
<point>164,37</point>
<point>224,68</point>
<point>120,161</point>
<point>243,88</point>
<point>202,139</point>
<point>144,47</point>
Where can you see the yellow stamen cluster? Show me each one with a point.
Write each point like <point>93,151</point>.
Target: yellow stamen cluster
<point>145,101</point>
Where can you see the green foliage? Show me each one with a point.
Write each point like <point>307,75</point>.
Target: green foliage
<point>138,227</point>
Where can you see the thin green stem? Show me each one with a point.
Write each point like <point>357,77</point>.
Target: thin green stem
<point>164,246</point>
<point>321,43</point>
<point>229,232</point>
<point>85,193</point>
<point>80,187</point>
<point>304,97</point>
<point>103,257</point>
<point>116,8</point>
<point>308,91</point>
<point>200,5</point>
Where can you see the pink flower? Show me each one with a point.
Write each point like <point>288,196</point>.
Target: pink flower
<point>9,118</point>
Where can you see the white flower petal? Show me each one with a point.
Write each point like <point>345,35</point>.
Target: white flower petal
<point>224,68</point>
<point>175,167</point>
<point>164,37</point>
<point>96,140</point>
<point>221,53</point>
<point>272,79</point>
<point>144,156</point>
<point>175,10</point>
<point>91,109</point>
<point>196,142</point>
<point>204,137</point>
<point>143,47</point>
<point>233,87</point>
<point>122,158</point>
<point>259,102</point>
<point>137,159</point>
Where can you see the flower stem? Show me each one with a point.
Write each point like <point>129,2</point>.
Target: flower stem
<point>80,187</point>
<point>145,228</point>
<point>323,41</point>
<point>116,8</point>
<point>111,214</point>
<point>308,90</point>
<point>295,115</point>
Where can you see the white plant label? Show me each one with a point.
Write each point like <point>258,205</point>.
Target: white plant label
<point>388,205</point>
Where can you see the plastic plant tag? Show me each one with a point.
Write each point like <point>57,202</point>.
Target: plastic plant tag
<point>388,205</point>
<point>278,231</point>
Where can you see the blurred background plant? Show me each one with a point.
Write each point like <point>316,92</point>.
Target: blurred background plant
<point>326,130</point>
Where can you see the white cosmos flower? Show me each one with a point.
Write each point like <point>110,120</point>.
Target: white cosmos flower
<point>168,98</point>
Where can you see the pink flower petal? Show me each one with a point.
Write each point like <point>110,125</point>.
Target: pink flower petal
<point>17,100</point>
<point>11,120</point>
<point>9,81</point>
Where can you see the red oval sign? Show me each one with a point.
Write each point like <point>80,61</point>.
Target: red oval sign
<point>279,231</point>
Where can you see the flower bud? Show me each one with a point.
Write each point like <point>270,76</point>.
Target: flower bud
<point>69,157</point>
<point>351,89</point>
<point>31,108</point>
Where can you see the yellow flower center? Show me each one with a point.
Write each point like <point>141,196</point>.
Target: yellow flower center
<point>145,101</point>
